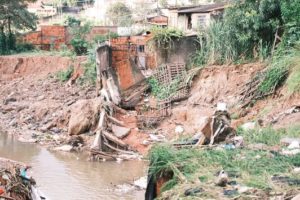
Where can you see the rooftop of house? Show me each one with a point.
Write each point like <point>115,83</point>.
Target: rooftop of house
<point>203,8</point>
<point>39,3</point>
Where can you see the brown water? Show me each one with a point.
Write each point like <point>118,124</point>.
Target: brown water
<point>70,176</point>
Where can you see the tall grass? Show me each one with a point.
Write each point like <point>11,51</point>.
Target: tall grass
<point>293,81</point>
<point>253,168</point>
<point>283,65</point>
<point>218,45</point>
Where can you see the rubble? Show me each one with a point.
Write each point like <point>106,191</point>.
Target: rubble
<point>15,183</point>
<point>119,131</point>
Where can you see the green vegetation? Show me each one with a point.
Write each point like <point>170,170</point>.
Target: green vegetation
<point>79,34</point>
<point>196,165</point>
<point>162,91</point>
<point>119,14</point>
<point>14,16</point>
<point>90,73</point>
<point>268,136</point>
<point>165,37</point>
<point>65,75</point>
<point>282,65</point>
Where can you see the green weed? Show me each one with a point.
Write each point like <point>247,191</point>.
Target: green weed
<point>269,135</point>
<point>65,74</point>
<point>161,91</point>
<point>253,168</point>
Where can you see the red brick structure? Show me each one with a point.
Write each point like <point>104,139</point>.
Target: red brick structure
<point>128,54</point>
<point>159,20</point>
<point>53,36</point>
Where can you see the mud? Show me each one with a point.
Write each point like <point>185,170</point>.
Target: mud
<point>36,107</point>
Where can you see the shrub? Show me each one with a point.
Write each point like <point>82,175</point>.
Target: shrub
<point>90,72</point>
<point>65,75</point>
<point>79,40</point>
<point>165,37</point>
<point>283,65</point>
<point>24,47</point>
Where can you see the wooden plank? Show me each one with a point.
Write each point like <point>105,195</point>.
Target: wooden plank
<point>114,139</point>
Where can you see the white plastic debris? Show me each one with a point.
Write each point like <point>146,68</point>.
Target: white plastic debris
<point>222,106</point>
<point>64,148</point>
<point>248,126</point>
<point>141,182</point>
<point>179,129</point>
<point>294,145</point>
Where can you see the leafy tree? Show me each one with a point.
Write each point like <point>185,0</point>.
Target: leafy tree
<point>120,14</point>
<point>251,21</point>
<point>14,16</point>
<point>79,33</point>
<point>291,17</point>
<point>163,3</point>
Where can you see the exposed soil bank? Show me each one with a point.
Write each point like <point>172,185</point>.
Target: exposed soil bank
<point>36,107</point>
<point>12,67</point>
<point>224,84</point>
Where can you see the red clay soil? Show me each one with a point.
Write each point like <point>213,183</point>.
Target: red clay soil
<point>12,67</point>
<point>136,137</point>
<point>33,102</point>
<point>39,103</point>
<point>223,84</point>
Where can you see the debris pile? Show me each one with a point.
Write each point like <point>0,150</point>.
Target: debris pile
<point>15,184</point>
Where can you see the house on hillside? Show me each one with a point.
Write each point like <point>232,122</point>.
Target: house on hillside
<point>158,20</point>
<point>43,8</point>
<point>191,19</point>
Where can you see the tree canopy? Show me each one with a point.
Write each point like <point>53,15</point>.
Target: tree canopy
<point>120,14</point>
<point>14,14</point>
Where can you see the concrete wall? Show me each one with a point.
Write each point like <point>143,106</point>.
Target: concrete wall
<point>181,52</point>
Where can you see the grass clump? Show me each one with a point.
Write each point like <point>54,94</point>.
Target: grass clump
<point>65,75</point>
<point>163,91</point>
<point>269,135</point>
<point>253,168</point>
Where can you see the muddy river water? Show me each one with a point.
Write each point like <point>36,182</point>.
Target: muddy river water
<point>71,176</point>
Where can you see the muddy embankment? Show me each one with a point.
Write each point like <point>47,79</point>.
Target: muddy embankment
<point>34,105</point>
<point>37,107</point>
<point>216,84</point>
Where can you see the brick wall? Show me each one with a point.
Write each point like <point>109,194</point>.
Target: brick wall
<point>56,35</point>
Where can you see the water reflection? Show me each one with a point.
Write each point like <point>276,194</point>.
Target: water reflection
<point>70,176</point>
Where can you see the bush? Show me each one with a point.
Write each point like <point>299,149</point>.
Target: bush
<point>165,37</point>
<point>90,71</point>
<point>80,46</point>
<point>246,32</point>
<point>24,47</point>
<point>283,65</point>
<point>79,34</point>
<point>65,75</point>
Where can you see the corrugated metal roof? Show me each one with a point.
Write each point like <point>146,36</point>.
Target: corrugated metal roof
<point>204,8</point>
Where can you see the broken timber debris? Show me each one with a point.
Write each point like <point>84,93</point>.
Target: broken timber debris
<point>111,95</point>
<point>216,129</point>
<point>165,75</point>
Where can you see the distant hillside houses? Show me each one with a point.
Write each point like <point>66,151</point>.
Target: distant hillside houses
<point>43,8</point>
